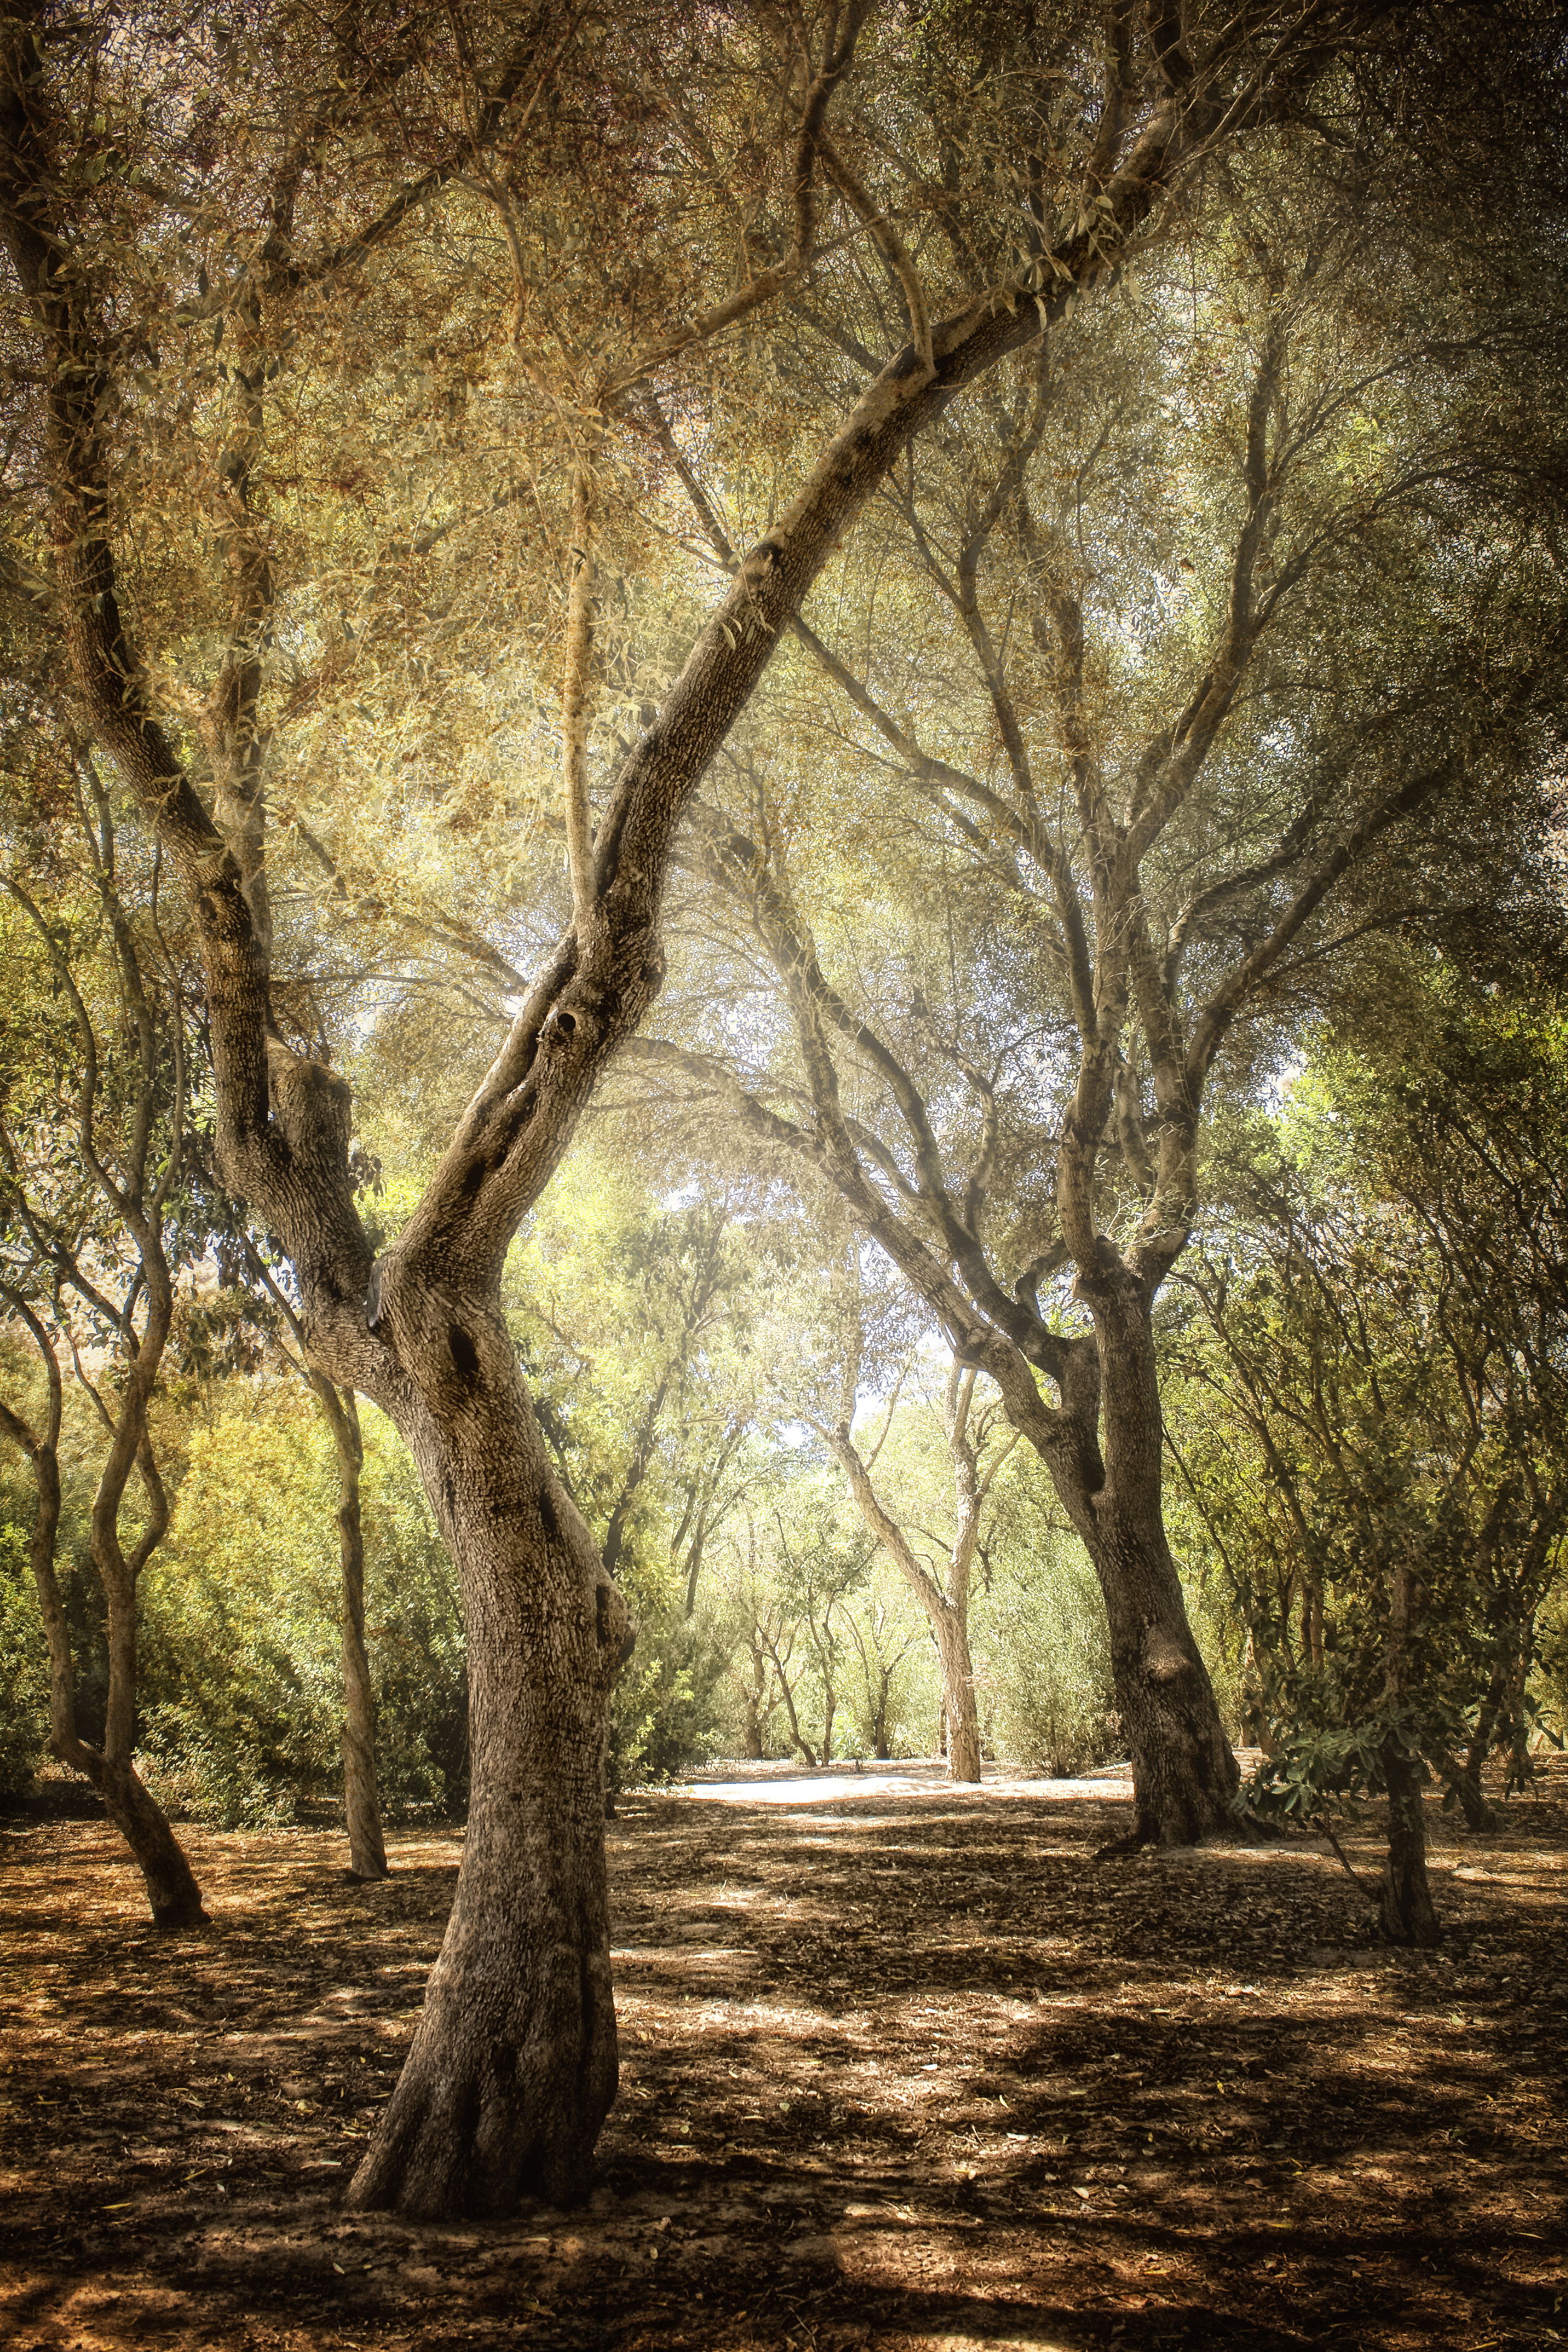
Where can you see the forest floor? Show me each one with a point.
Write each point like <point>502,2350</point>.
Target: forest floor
<point>903,2068</point>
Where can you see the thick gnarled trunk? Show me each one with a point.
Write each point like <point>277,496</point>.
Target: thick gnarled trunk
<point>513,2065</point>
<point>1185,1772</point>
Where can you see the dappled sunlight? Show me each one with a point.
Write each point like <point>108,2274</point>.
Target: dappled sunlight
<point>912,2074</point>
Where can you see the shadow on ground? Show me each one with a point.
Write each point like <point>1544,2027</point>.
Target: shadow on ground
<point>901,2070</point>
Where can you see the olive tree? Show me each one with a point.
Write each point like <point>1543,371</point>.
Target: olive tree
<point>1229,629</point>
<point>240,258</point>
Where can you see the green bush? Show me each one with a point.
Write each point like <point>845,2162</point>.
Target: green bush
<point>24,1668</point>
<point>1042,1662</point>
<point>242,1681</point>
<point>666,1706</point>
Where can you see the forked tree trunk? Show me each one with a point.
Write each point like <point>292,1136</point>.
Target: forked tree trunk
<point>513,2068</point>
<point>172,1895</point>
<point>1408,1912</point>
<point>947,1612</point>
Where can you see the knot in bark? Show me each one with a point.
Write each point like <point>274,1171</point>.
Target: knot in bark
<point>1164,1660</point>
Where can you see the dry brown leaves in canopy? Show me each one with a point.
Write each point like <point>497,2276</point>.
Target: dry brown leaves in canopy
<point>902,2069</point>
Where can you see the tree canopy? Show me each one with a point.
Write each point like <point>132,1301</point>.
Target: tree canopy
<point>906,609</point>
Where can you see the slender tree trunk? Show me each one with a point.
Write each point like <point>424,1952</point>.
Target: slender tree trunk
<point>362,1796</point>
<point>172,1894</point>
<point>513,2068</point>
<point>175,1898</point>
<point>947,1612</point>
<point>1408,1916</point>
<point>1408,1913</point>
<point>961,1717</point>
<point>752,1695</point>
<point>693,1568</point>
<point>1487,1721</point>
<point>797,1736</point>
<point>880,1747</point>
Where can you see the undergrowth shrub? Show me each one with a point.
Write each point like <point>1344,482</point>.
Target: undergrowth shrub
<point>24,1668</point>
<point>242,1680</point>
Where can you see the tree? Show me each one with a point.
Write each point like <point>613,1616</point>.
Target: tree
<point>93,1242</point>
<point>362,1799</point>
<point>1207,631</point>
<point>1374,1446</point>
<point>1031,191</point>
<point>941,1585</point>
<point>241,1632</point>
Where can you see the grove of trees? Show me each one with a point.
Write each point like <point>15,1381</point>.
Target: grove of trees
<point>780,895</point>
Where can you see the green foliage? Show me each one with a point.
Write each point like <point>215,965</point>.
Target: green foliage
<point>1042,1657</point>
<point>1367,1402</point>
<point>666,1710</point>
<point>243,1682</point>
<point>1335,1743</point>
<point>24,1668</point>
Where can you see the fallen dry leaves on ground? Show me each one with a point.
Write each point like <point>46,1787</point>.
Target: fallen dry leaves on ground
<point>907,2070</point>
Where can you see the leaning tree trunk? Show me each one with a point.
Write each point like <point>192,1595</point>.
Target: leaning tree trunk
<point>513,2066</point>
<point>172,1894</point>
<point>172,1890</point>
<point>1185,1772</point>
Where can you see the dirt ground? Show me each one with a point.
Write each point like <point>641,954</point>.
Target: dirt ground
<point>902,2069</point>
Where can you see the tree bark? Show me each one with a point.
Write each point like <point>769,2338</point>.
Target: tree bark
<point>362,1795</point>
<point>1407,1913</point>
<point>961,1715</point>
<point>1465,1788</point>
<point>1185,1772</point>
<point>513,2066</point>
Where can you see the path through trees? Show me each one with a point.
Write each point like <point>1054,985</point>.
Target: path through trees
<point>902,2070</point>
